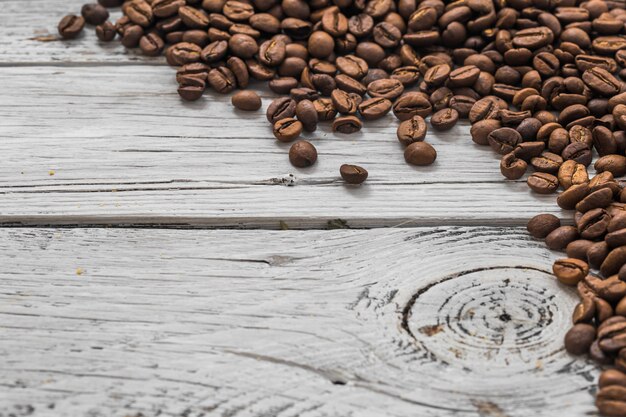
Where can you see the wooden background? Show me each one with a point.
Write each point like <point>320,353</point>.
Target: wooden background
<point>125,289</point>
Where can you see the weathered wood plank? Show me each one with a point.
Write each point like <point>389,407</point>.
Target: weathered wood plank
<point>28,36</point>
<point>422,322</point>
<point>115,144</point>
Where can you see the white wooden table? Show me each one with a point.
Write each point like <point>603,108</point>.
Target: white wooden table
<point>127,288</point>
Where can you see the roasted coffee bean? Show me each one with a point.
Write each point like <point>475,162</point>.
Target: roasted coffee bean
<point>572,173</point>
<point>542,225</point>
<point>462,104</point>
<point>191,87</point>
<point>504,140</point>
<point>420,153</point>
<point>222,80</point>
<point>547,162</point>
<point>480,130</point>
<point>302,154</point>
<point>578,249</point>
<point>325,109</point>
<point>594,223</point>
<point>529,150</point>
<point>597,199</point>
<point>347,124</point>
<point>94,13</point>
<point>151,44</point>
<point>106,32</point>
<point>344,102</point>
<point>569,198</point>
<point>597,254</point>
<point>543,183</point>
<point>570,271</point>
<point>411,104</point>
<point>307,114</point>
<point>579,338</point>
<point>246,100</point>
<point>374,108</point>
<point>485,108</point>
<point>183,53</point>
<point>579,152</point>
<point>511,167</point>
<point>387,88</point>
<point>281,108</point>
<point>286,130</point>
<point>353,174</point>
<point>71,26</point>
<point>412,130</point>
<point>601,81</point>
<point>445,119</point>
<point>139,12</point>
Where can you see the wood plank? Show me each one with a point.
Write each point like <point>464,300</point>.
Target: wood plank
<point>28,36</point>
<point>114,145</point>
<point>442,321</point>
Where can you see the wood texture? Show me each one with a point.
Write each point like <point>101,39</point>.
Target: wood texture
<point>111,145</point>
<point>423,322</point>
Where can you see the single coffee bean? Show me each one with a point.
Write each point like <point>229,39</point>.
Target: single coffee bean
<point>191,87</point>
<point>151,44</point>
<point>347,124</point>
<point>353,174</point>
<point>94,13</point>
<point>547,162</point>
<point>344,102</point>
<point>578,249</point>
<point>504,140</point>
<point>601,81</point>
<point>374,108</point>
<point>594,223</point>
<point>570,271</point>
<point>307,114</point>
<point>71,26</point>
<point>412,130</point>
<point>411,104</point>
<point>444,119</point>
<point>480,130</point>
<point>529,150</point>
<point>579,338</point>
<point>511,167</point>
<point>387,88</point>
<point>286,130</point>
<point>246,100</point>
<point>420,153</point>
<point>222,80</point>
<point>106,32</point>
<point>325,109</point>
<point>542,225</point>
<point>569,198</point>
<point>579,152</point>
<point>281,108</point>
<point>302,154</point>
<point>560,237</point>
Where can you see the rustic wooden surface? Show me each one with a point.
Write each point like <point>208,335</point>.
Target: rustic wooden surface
<point>456,314</point>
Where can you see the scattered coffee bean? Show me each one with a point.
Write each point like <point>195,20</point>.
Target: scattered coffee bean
<point>542,225</point>
<point>286,130</point>
<point>353,174</point>
<point>71,26</point>
<point>246,100</point>
<point>420,153</point>
<point>302,154</point>
<point>579,338</point>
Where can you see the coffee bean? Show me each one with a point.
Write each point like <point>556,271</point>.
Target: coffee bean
<point>246,100</point>
<point>353,174</point>
<point>307,114</point>
<point>344,102</point>
<point>601,81</point>
<point>411,104</point>
<point>444,119</point>
<point>412,130</point>
<point>302,154</point>
<point>569,198</point>
<point>579,338</point>
<point>347,124</point>
<point>542,225</point>
<point>420,153</point>
<point>94,13</point>
<point>106,32</point>
<point>504,140</point>
<point>281,108</point>
<point>222,80</point>
<point>288,129</point>
<point>71,26</point>
<point>570,271</point>
<point>511,167</point>
<point>387,88</point>
<point>374,108</point>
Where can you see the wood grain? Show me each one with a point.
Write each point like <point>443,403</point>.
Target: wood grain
<point>115,145</point>
<point>449,321</point>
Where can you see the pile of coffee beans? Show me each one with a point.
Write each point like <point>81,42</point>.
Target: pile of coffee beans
<point>541,82</point>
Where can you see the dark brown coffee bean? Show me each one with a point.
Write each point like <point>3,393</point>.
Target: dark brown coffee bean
<point>597,199</point>
<point>437,75</point>
<point>239,70</point>
<point>286,130</point>
<point>238,11</point>
<point>511,167</point>
<point>533,38</point>
<point>222,80</point>
<point>347,124</point>
<point>485,108</point>
<point>71,26</point>
<point>344,102</point>
<point>191,87</point>
<point>411,104</point>
<point>560,237</point>
<point>387,88</point>
<point>570,271</point>
<point>579,338</point>
<point>139,12</point>
<point>542,225</point>
<point>480,130</point>
<point>94,13</point>
<point>361,25</point>
<point>579,152</point>
<point>543,183</point>
<point>106,32</point>
<point>420,153</point>
<point>374,108</point>
<point>352,66</point>
<point>464,76</point>
<point>307,114</point>
<point>325,109</point>
<point>444,119</point>
<point>281,108</point>
<point>166,8</point>
<point>412,130</point>
<point>350,85</point>
<point>183,53</point>
<point>353,174</point>
<point>504,140</point>
<point>246,100</point>
<point>569,198</point>
<point>601,81</point>
<point>302,154</point>
<point>151,44</point>
<point>547,162</point>
<point>593,224</point>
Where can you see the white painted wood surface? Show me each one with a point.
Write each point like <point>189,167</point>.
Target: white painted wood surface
<point>123,322</point>
<point>123,148</point>
<point>436,321</point>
